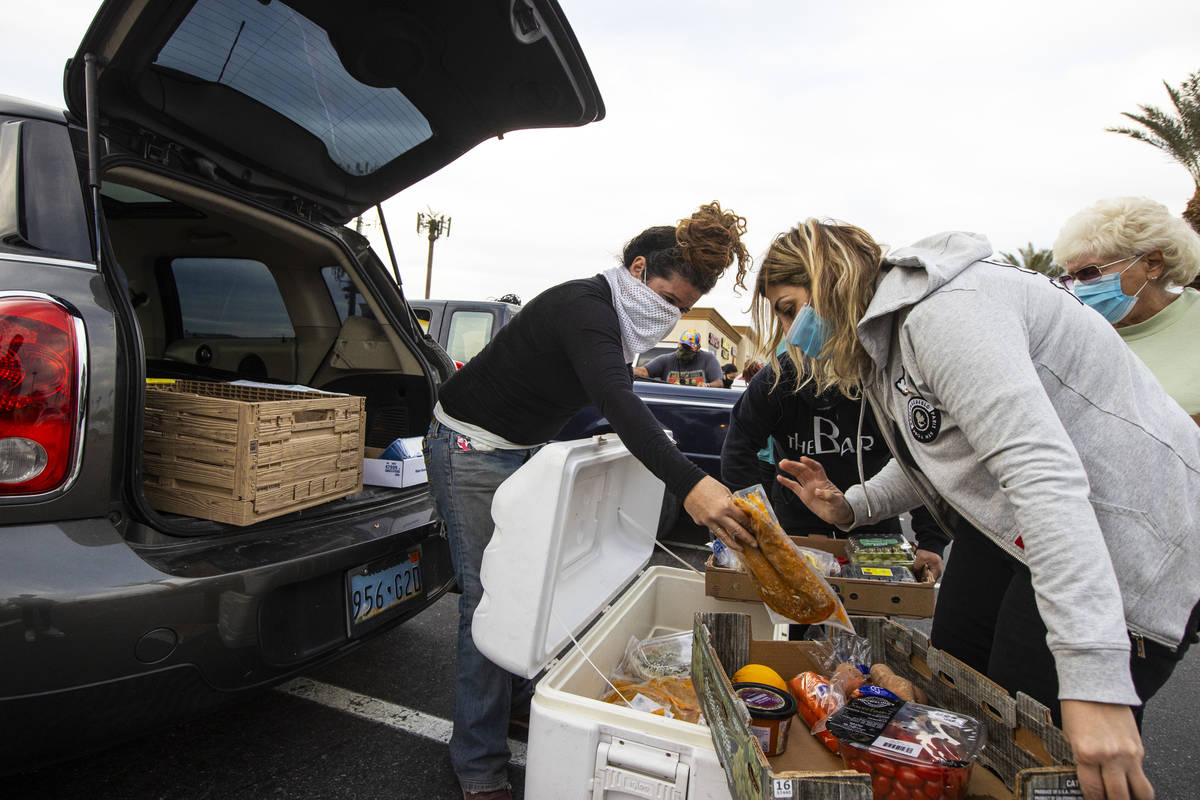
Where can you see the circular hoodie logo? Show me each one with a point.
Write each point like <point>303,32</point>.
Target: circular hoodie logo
<point>923,420</point>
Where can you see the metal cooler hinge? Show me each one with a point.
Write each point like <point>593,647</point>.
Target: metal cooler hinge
<point>627,769</point>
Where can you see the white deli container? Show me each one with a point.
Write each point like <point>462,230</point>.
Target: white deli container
<point>573,526</point>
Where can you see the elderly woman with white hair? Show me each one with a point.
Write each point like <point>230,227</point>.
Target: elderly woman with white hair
<point>1131,260</point>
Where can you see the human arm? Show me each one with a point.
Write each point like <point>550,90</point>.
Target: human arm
<point>750,424</point>
<point>713,376</point>
<point>641,372</point>
<point>591,341</point>
<point>1108,750</point>
<point>970,356</point>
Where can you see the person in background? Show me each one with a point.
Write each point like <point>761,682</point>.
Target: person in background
<point>1131,260</point>
<point>789,417</point>
<point>1005,397</point>
<point>729,373</point>
<point>569,347</point>
<point>688,365</point>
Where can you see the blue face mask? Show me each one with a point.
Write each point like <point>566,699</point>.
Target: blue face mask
<point>1105,295</point>
<point>809,332</point>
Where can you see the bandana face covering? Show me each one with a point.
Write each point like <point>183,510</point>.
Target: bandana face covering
<point>644,316</point>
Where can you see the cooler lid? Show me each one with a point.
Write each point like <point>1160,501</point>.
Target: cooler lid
<point>574,526</point>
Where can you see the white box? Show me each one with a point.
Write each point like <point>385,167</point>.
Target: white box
<point>574,526</point>
<point>408,470</point>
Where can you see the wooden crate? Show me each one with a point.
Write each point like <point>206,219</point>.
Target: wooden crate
<point>242,454</point>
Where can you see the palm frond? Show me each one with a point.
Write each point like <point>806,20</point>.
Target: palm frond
<point>1177,134</point>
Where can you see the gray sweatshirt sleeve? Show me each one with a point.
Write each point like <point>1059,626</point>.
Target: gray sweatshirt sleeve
<point>973,354</point>
<point>890,492</point>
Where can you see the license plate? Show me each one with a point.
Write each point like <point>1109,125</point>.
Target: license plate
<point>374,589</point>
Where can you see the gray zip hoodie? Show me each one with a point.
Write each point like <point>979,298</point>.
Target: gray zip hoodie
<point>1026,412</point>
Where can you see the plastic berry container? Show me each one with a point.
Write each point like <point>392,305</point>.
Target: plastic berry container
<point>771,713</point>
<point>888,573</point>
<point>879,549</point>
<point>909,750</point>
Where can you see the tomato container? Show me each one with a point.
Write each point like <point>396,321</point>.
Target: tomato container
<point>911,751</point>
<point>771,713</point>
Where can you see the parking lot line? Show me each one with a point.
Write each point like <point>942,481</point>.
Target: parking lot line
<point>393,715</point>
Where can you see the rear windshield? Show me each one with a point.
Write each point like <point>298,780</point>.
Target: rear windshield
<point>280,58</point>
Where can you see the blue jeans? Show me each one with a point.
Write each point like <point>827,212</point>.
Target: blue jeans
<point>463,480</point>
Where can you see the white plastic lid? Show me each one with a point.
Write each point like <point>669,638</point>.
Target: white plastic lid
<point>574,526</point>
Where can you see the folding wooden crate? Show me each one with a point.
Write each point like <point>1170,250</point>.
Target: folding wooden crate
<point>242,454</point>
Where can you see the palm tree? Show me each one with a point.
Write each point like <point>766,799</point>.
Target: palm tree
<point>1177,135</point>
<point>1030,257</point>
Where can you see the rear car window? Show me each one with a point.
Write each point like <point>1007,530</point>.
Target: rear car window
<point>344,294</point>
<point>229,297</point>
<point>469,332</point>
<point>280,58</point>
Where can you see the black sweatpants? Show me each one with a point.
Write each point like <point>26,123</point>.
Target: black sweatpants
<point>987,617</point>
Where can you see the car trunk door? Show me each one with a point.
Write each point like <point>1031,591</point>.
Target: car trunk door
<point>341,104</point>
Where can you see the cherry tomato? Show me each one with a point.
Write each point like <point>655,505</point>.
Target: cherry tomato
<point>909,778</point>
<point>859,765</point>
<point>898,793</point>
<point>930,772</point>
<point>885,767</point>
<point>933,789</point>
<point>880,786</point>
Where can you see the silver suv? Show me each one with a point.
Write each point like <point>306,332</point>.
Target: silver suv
<point>184,218</point>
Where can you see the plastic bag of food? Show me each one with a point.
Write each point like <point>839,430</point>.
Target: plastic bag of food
<point>825,563</point>
<point>815,701</point>
<point>787,581</point>
<point>724,557</point>
<point>673,698</point>
<point>668,656</point>
<point>908,746</point>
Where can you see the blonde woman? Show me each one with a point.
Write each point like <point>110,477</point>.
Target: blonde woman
<point>1131,259</point>
<point>1022,408</point>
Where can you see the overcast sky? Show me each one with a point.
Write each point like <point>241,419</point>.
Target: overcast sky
<point>904,118</point>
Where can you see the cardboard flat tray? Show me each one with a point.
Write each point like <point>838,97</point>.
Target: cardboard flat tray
<point>1026,757</point>
<point>909,600</point>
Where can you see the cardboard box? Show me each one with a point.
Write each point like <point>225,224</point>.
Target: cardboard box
<point>241,454</point>
<point>1026,757</point>
<point>407,470</point>
<point>911,600</point>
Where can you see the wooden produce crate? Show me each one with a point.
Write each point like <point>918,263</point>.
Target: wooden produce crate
<point>242,454</point>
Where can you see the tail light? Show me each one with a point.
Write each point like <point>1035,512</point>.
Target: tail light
<point>41,383</point>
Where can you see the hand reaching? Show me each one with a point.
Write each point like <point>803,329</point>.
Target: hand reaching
<point>710,504</point>
<point>816,491</point>
<point>1108,750</point>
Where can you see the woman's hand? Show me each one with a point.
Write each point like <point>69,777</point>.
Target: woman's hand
<point>1108,750</point>
<point>710,504</point>
<point>816,491</point>
<point>927,560</point>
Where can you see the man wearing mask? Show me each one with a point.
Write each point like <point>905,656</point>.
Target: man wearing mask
<point>688,365</point>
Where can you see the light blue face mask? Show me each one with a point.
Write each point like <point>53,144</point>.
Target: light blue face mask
<point>1105,295</point>
<point>809,332</point>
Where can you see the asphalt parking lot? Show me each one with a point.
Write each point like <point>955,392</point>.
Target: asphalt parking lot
<point>374,723</point>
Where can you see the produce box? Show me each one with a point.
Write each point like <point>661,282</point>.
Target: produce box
<point>859,596</point>
<point>400,464</point>
<point>242,454</point>
<point>1025,758</point>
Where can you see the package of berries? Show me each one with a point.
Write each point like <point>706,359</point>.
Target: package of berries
<point>911,751</point>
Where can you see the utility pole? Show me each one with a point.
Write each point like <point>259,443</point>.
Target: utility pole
<point>437,225</point>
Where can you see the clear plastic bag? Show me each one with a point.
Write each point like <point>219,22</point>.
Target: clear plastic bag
<point>787,580</point>
<point>826,563</point>
<point>668,656</point>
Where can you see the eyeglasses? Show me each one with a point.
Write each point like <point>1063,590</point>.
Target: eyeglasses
<point>1092,272</point>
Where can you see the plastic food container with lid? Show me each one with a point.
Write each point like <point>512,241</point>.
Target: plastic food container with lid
<point>771,713</point>
<point>917,749</point>
<point>874,549</point>
<point>891,573</point>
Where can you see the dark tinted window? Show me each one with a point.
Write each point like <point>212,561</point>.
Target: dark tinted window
<point>41,198</point>
<point>229,297</point>
<point>345,296</point>
<point>283,60</point>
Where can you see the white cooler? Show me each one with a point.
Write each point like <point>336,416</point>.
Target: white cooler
<point>574,526</point>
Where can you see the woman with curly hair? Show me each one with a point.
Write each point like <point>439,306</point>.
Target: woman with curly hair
<point>569,347</point>
<point>1006,397</point>
<point>1131,260</point>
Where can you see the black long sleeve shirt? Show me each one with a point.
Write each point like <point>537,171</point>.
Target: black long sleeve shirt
<point>561,352</point>
<point>824,428</point>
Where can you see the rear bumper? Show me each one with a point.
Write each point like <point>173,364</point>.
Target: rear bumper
<point>103,640</point>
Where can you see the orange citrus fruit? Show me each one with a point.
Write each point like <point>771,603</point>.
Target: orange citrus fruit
<point>759,673</point>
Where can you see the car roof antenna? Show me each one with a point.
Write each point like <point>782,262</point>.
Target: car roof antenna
<point>388,241</point>
<point>92,112</point>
